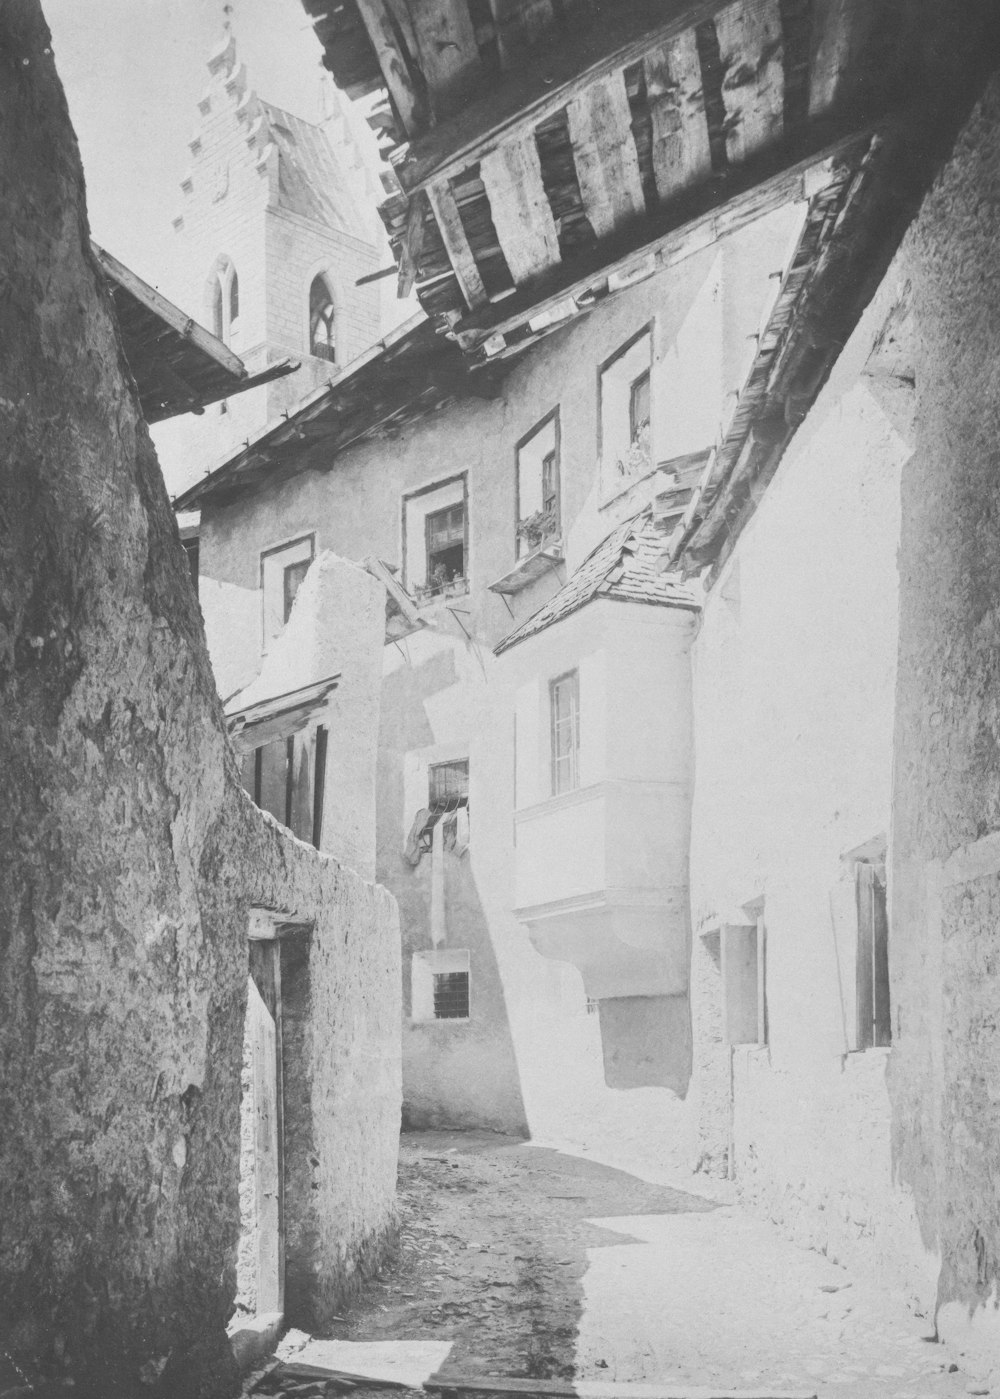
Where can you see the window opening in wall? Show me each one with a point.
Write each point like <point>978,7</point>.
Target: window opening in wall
<point>234,300</point>
<point>538,517</point>
<point>435,540</point>
<point>743,957</point>
<point>564,710</point>
<point>282,572</point>
<point>591,1006</point>
<point>873,1012</point>
<point>287,777</point>
<point>224,300</point>
<point>638,408</point>
<point>322,328</point>
<point>191,549</point>
<point>440,985</point>
<point>445,535</point>
<point>451,995</point>
<point>626,415</point>
<point>447,803</point>
<point>294,573</point>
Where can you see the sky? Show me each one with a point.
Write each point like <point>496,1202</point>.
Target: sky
<point>134,70</point>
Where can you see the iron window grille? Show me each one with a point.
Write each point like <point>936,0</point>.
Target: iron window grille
<point>448,790</point>
<point>564,709</point>
<point>451,995</point>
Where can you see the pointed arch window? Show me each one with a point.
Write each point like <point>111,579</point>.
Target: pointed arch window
<point>322,328</point>
<point>224,300</point>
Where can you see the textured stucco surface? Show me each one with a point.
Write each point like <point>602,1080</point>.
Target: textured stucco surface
<point>795,669</point>
<point>131,859</point>
<point>946,1061</point>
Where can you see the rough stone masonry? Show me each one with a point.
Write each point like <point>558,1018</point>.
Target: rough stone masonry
<point>131,862</point>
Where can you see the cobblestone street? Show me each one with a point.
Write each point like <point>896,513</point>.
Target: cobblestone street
<point>535,1263</point>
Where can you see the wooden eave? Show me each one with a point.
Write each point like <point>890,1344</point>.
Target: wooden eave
<point>178,367</point>
<point>846,245</point>
<point>548,155</point>
<point>408,375</point>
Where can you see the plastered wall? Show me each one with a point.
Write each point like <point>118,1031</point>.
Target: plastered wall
<point>794,693</point>
<point>131,860</point>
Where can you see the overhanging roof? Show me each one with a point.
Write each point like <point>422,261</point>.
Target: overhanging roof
<point>254,725</point>
<point>407,375</point>
<point>178,367</point>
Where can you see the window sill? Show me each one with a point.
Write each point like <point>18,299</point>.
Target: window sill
<point>426,601</point>
<point>445,1020</point>
<point>545,559</point>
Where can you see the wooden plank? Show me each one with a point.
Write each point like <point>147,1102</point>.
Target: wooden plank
<point>607,164</point>
<point>168,313</point>
<point>453,235</point>
<point>673,232</point>
<point>522,215</point>
<point>263,1019</point>
<point>682,154</point>
<point>449,55</point>
<point>601,1389</point>
<point>751,48</point>
<point>397,64</point>
<point>412,245</point>
<point>547,78</point>
<point>839,31</point>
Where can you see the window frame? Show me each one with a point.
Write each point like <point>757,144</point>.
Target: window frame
<point>552,416</point>
<point>223,298</point>
<point>406,545</point>
<point>873,994</point>
<point>610,489</point>
<point>320,739</point>
<point>556,789</point>
<point>331,305</point>
<point>266,554</point>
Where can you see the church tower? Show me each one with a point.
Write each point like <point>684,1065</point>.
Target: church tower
<point>277,227</point>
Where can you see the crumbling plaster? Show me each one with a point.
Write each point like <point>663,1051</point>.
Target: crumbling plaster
<point>132,858</point>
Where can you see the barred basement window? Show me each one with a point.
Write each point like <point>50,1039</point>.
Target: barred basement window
<point>451,995</point>
<point>440,985</point>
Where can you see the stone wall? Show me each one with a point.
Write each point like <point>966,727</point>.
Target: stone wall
<point>131,860</point>
<point>946,1060</point>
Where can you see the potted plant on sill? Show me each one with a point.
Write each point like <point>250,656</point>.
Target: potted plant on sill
<point>637,458</point>
<point>538,529</point>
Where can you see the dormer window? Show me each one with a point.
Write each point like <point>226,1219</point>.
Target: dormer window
<point>224,301</point>
<point>322,331</point>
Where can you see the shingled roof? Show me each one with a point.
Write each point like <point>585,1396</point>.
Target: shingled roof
<point>623,568</point>
<point>311,179</point>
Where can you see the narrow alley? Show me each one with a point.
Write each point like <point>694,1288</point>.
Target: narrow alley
<point>527,1263</point>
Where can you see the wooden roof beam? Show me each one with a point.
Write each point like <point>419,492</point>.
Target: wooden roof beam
<point>169,314</point>
<point>688,223</point>
<point>548,77</point>
<point>456,243</point>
